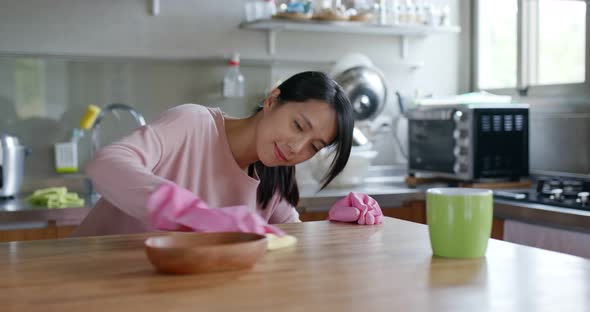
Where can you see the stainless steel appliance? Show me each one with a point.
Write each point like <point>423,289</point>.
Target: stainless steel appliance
<point>562,191</point>
<point>366,88</point>
<point>12,158</point>
<point>471,142</point>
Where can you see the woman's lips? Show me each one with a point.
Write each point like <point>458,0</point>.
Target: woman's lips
<point>278,154</point>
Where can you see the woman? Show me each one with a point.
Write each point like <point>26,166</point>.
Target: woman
<point>222,160</point>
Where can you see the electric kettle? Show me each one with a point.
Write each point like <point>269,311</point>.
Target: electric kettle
<point>12,161</point>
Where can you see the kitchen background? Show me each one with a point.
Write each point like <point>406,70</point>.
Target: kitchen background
<point>57,57</point>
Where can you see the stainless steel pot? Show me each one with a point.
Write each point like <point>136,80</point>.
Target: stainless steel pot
<point>12,161</point>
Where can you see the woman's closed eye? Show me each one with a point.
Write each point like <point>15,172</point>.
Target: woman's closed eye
<point>315,147</point>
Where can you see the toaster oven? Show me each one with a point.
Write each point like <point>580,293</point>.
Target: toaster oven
<point>469,141</point>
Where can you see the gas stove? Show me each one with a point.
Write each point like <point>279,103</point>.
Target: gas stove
<point>558,191</point>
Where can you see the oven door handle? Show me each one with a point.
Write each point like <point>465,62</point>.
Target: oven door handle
<point>510,195</point>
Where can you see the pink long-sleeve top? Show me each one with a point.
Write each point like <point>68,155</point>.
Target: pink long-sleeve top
<point>186,145</point>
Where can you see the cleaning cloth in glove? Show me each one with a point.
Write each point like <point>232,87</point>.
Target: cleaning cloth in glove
<point>356,207</point>
<point>174,208</point>
<point>280,242</point>
<point>55,197</point>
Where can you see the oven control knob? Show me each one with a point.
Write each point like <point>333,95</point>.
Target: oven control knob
<point>556,194</point>
<point>458,116</point>
<point>460,134</point>
<point>583,198</point>
<point>459,167</point>
<point>459,151</point>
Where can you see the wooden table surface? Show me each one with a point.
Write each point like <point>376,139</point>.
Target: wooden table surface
<point>335,267</point>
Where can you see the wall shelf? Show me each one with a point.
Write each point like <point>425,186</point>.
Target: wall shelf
<point>272,61</point>
<point>272,27</point>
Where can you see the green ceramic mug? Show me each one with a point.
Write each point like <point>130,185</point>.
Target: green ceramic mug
<point>459,221</point>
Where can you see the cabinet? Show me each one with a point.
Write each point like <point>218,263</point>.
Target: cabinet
<point>574,241</point>
<point>413,211</point>
<point>50,232</point>
<point>498,228</point>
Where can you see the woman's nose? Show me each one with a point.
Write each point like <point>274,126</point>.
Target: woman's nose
<point>296,146</point>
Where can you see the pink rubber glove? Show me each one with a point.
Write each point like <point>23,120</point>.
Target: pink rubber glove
<point>174,208</point>
<point>356,207</point>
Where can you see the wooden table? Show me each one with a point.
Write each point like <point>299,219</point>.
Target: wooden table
<point>335,267</point>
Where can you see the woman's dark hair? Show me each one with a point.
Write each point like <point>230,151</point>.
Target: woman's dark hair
<point>301,87</point>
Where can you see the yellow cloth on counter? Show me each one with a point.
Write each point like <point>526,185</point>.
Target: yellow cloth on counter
<point>55,197</point>
<point>276,242</point>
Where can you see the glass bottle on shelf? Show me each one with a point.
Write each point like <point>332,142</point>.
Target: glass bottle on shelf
<point>419,17</point>
<point>395,13</point>
<point>233,81</point>
<point>270,8</point>
<point>445,16</point>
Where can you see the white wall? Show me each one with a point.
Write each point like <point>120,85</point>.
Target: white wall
<point>195,29</point>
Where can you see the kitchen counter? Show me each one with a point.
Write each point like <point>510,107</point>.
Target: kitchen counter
<point>18,213</point>
<point>552,216</point>
<point>393,192</point>
<point>334,267</point>
<point>389,191</point>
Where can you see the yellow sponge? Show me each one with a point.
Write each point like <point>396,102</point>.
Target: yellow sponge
<point>276,242</point>
<point>89,117</point>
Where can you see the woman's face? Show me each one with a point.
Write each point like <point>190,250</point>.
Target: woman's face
<point>292,132</point>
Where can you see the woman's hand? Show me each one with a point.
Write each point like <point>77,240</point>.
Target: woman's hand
<point>174,208</point>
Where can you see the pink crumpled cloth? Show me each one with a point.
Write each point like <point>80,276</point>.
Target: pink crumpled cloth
<point>356,207</point>
<point>174,208</point>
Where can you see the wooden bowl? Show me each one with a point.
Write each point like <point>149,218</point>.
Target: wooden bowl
<point>191,253</point>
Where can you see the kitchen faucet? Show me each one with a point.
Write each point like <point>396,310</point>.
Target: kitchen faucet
<point>95,134</point>
<point>95,131</point>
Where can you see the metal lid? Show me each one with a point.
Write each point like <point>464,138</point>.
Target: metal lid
<point>366,90</point>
